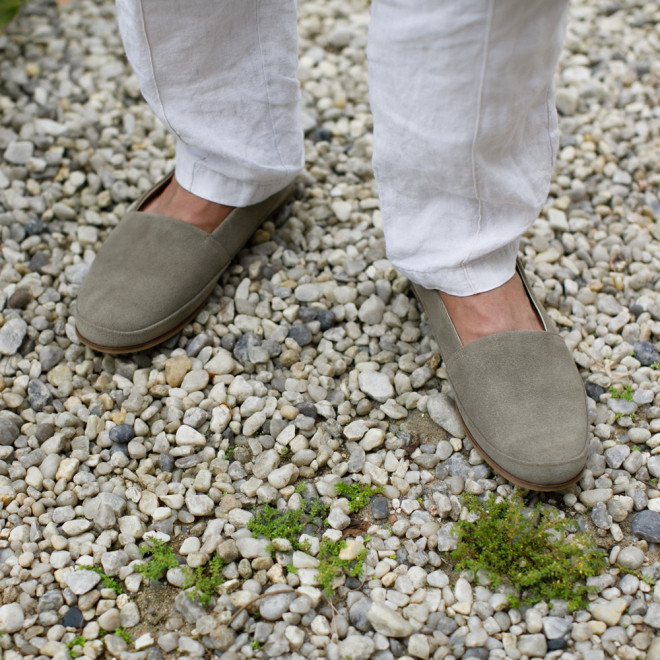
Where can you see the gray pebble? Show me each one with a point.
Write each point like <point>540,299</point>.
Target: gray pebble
<point>443,412</point>
<point>190,609</point>
<point>39,395</point>
<point>646,353</point>
<point>12,618</point>
<point>376,385</point>
<point>600,517</point>
<point>652,617</point>
<point>197,343</point>
<point>19,152</point>
<point>165,462</point>
<point>371,311</point>
<point>73,618</point>
<point>243,345</point>
<point>122,434</point>
<point>338,519</point>
<point>646,525</point>
<point>555,627</point>
<point>534,646</point>
<point>12,334</point>
<point>301,334</point>
<point>379,507</point>
<point>307,292</point>
<point>50,356</point>
<point>358,614</point>
<point>8,432</point>
<point>80,582</point>
<point>356,458</point>
<point>271,608</point>
<point>616,455</point>
<point>357,647</point>
<point>653,466</point>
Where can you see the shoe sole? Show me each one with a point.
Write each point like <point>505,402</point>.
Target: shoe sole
<point>114,350</point>
<point>530,485</point>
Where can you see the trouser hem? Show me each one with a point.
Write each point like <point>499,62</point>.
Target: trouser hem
<point>193,174</point>
<point>477,276</point>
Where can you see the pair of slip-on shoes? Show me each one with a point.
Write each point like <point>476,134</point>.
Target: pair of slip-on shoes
<point>519,396</point>
<point>154,273</point>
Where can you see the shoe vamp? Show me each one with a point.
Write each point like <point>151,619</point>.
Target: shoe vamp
<point>149,269</point>
<point>521,397</point>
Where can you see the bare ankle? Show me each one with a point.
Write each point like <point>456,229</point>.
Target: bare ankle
<point>503,309</point>
<point>177,202</point>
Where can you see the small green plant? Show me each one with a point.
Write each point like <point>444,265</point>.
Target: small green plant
<point>541,555</point>
<point>648,579</point>
<point>161,559</point>
<point>625,394</point>
<point>287,524</point>
<point>633,416</point>
<point>357,494</point>
<point>275,524</point>
<point>106,580</point>
<point>300,487</point>
<point>256,644</point>
<point>655,365</point>
<point>204,580</point>
<point>284,450</point>
<point>618,416</point>
<point>121,632</point>
<point>331,565</point>
<point>8,11</point>
<point>76,641</point>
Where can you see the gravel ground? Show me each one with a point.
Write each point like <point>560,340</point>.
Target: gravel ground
<point>309,365</point>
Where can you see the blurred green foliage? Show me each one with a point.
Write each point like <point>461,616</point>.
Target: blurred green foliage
<point>8,10</point>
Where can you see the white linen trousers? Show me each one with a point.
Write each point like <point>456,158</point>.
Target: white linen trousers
<point>465,127</point>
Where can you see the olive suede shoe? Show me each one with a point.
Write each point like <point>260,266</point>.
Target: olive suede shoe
<point>519,395</point>
<point>154,273</point>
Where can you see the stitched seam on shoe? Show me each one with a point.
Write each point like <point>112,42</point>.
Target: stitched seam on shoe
<point>215,244</point>
<point>266,85</point>
<point>475,137</point>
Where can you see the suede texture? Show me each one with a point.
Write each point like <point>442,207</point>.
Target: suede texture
<point>526,408</point>
<point>153,272</point>
<point>519,394</point>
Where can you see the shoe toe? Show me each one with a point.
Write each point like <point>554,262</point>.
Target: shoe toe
<point>523,403</point>
<point>151,274</point>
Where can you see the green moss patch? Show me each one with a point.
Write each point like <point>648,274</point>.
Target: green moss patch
<point>542,556</point>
